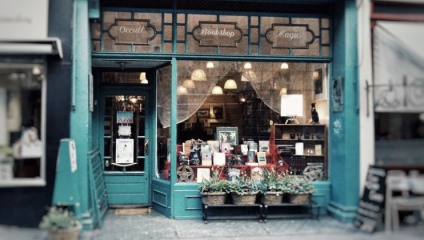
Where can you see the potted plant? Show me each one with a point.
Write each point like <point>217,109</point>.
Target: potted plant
<point>61,224</point>
<point>299,190</point>
<point>271,187</point>
<point>213,190</point>
<point>243,191</point>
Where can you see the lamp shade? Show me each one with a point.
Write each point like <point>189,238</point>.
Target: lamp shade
<point>284,65</point>
<point>198,75</point>
<point>181,90</point>
<point>143,79</point>
<point>230,84</point>
<point>210,65</point>
<point>189,83</point>
<point>292,105</point>
<point>217,90</point>
<point>247,65</point>
<point>248,75</point>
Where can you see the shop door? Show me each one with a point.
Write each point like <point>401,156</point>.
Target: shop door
<point>125,141</point>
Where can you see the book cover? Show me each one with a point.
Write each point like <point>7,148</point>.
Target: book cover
<point>299,148</point>
<point>187,148</point>
<point>264,146</point>
<point>226,148</point>
<point>318,149</point>
<point>252,163</point>
<point>203,174</point>
<point>206,159</point>
<point>219,159</point>
<point>214,146</point>
<point>233,174</point>
<point>261,158</point>
<point>244,149</point>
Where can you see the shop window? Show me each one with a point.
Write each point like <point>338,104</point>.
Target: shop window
<point>21,124</point>
<point>224,107</point>
<point>399,139</point>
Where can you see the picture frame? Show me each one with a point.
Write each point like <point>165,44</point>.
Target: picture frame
<point>320,85</point>
<point>218,113</point>
<point>337,94</point>
<point>203,113</point>
<point>227,134</point>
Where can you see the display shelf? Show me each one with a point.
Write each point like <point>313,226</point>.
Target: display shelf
<point>257,216</point>
<point>310,213</point>
<point>303,140</point>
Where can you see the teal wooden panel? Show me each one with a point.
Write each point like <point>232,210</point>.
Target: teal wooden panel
<point>124,179</point>
<point>188,204</point>
<point>127,199</point>
<point>126,188</point>
<point>161,197</point>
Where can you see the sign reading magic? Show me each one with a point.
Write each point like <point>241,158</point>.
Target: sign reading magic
<point>137,32</point>
<point>214,34</point>
<point>289,36</point>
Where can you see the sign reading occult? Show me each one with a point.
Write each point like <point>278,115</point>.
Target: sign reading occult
<point>213,34</point>
<point>137,32</point>
<point>289,36</point>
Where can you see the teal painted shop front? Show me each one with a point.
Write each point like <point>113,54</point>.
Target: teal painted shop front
<point>167,50</point>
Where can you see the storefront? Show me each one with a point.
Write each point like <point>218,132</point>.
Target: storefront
<point>34,107</point>
<point>161,76</point>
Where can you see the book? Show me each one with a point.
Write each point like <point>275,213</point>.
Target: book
<point>219,159</point>
<point>299,148</point>
<point>252,164</point>
<point>205,148</point>
<point>206,159</point>
<point>203,174</point>
<point>264,146</point>
<point>244,149</point>
<point>251,156</point>
<point>318,149</point>
<point>237,149</point>
<point>233,174</point>
<point>226,147</point>
<point>261,158</point>
<point>214,146</point>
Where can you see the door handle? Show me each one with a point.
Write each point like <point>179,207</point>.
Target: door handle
<point>146,147</point>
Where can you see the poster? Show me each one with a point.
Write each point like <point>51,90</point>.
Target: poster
<point>337,93</point>
<point>124,117</point>
<point>124,150</point>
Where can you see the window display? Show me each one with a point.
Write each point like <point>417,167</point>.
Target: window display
<point>234,127</point>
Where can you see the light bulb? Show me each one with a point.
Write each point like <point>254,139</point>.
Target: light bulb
<point>210,65</point>
<point>247,65</point>
<point>284,65</point>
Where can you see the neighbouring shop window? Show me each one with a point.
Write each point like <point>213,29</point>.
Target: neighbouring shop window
<point>227,109</point>
<point>163,121</point>
<point>21,123</point>
<point>212,34</point>
<point>399,139</point>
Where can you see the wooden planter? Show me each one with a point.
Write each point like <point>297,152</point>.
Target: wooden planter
<point>65,234</point>
<point>301,198</point>
<point>272,198</point>
<point>244,199</point>
<point>213,198</point>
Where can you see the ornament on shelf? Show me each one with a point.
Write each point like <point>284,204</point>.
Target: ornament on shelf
<point>314,114</point>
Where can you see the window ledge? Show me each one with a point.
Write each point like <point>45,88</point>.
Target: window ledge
<point>27,182</point>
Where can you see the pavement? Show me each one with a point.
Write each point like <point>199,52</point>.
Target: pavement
<point>156,226</point>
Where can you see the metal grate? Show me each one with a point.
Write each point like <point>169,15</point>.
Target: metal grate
<point>223,6</point>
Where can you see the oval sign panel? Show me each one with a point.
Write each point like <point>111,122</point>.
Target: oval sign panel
<point>289,36</point>
<point>137,32</point>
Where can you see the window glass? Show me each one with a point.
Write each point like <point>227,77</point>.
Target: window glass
<point>224,107</point>
<point>163,122</point>
<point>399,138</point>
<point>21,122</point>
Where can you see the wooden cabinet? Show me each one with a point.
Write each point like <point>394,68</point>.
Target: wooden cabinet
<point>314,140</point>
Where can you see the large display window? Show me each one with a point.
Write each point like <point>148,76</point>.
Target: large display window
<point>234,114</point>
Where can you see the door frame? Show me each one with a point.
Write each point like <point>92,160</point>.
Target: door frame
<point>130,90</point>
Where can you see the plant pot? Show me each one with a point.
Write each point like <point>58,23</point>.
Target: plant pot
<point>65,234</point>
<point>244,199</point>
<point>272,198</point>
<point>301,198</point>
<point>213,198</point>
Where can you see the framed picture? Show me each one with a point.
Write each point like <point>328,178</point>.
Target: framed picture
<point>187,125</point>
<point>203,113</point>
<point>124,150</point>
<point>218,113</point>
<point>337,94</point>
<point>227,134</point>
<point>320,86</point>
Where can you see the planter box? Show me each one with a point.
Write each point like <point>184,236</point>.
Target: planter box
<point>214,198</point>
<point>272,198</point>
<point>301,198</point>
<point>244,199</point>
